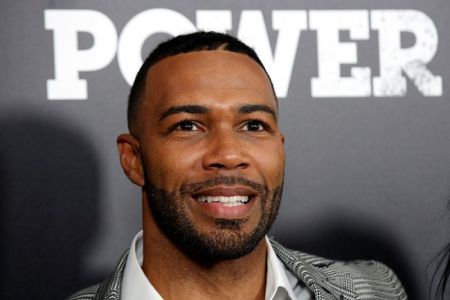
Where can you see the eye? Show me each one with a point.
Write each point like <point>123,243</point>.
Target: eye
<point>185,125</point>
<point>254,126</point>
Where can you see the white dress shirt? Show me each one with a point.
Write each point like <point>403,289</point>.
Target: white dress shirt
<point>281,284</point>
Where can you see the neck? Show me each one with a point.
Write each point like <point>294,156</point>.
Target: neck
<point>175,275</point>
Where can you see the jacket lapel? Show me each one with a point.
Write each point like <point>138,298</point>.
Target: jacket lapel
<point>308,269</point>
<point>110,288</point>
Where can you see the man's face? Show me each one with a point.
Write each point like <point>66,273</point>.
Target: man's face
<point>212,152</point>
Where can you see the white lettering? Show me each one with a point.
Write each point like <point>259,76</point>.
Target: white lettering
<point>393,58</point>
<point>332,53</point>
<point>139,28</point>
<point>253,32</point>
<point>69,59</point>
<point>396,62</point>
<point>214,20</point>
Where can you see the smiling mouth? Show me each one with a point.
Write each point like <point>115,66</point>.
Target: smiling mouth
<point>225,200</point>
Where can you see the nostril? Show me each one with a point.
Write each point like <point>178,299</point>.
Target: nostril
<point>242,166</point>
<point>217,166</point>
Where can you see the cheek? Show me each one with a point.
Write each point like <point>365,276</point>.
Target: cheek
<point>270,163</point>
<point>168,167</point>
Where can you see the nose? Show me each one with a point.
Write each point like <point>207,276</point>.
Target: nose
<point>225,151</point>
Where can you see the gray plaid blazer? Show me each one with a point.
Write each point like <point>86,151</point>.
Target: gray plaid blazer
<point>327,279</point>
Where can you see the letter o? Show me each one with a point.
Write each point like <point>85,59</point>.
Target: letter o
<point>139,28</point>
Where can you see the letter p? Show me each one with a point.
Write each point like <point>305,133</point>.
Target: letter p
<point>69,59</point>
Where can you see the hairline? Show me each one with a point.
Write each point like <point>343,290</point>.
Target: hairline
<point>138,86</point>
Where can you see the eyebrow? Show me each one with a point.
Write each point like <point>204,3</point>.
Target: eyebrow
<point>200,109</point>
<point>249,108</point>
<point>192,109</point>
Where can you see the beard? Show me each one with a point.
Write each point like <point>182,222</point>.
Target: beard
<point>227,240</point>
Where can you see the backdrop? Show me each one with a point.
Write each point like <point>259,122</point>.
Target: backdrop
<point>363,97</point>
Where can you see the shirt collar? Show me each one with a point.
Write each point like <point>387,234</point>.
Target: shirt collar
<point>136,286</point>
<point>276,279</point>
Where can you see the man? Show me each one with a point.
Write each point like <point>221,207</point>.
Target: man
<point>205,147</point>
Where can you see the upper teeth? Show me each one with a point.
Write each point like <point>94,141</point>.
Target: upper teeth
<point>224,199</point>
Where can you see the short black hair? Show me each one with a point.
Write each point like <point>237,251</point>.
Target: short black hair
<point>192,42</point>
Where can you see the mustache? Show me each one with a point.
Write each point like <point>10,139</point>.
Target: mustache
<point>222,180</point>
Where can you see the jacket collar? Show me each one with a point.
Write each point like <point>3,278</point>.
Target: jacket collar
<point>308,268</point>
<point>110,288</point>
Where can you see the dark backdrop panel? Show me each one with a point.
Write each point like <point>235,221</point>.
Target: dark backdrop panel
<point>367,176</point>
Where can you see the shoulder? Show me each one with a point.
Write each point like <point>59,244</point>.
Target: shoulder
<point>350,279</point>
<point>85,294</point>
<point>370,270</point>
<point>109,289</point>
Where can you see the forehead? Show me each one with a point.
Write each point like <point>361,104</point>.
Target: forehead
<point>211,77</point>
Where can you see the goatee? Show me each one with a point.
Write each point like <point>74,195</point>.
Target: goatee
<point>227,241</point>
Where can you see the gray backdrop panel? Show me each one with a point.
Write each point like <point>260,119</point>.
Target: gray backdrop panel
<point>366,177</point>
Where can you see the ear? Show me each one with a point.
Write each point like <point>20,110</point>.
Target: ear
<point>130,158</point>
